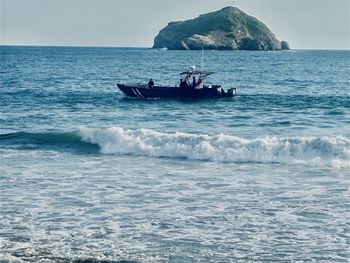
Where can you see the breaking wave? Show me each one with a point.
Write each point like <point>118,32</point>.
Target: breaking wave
<point>322,151</point>
<point>318,151</point>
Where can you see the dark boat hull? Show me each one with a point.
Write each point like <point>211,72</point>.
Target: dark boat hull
<point>143,92</point>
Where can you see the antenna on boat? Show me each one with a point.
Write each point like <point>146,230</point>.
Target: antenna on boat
<point>202,60</point>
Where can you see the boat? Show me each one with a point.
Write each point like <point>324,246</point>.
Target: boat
<point>187,89</point>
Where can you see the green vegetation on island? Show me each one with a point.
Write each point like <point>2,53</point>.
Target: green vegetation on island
<point>225,29</point>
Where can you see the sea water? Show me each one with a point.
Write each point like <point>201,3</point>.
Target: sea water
<point>88,175</point>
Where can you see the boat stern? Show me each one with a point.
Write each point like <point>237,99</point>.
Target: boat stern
<point>232,92</point>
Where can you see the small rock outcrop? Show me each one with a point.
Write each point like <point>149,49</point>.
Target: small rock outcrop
<point>284,45</point>
<point>225,29</point>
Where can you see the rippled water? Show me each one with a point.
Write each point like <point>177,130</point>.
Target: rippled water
<point>88,175</point>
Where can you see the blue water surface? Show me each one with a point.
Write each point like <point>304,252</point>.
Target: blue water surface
<point>89,174</point>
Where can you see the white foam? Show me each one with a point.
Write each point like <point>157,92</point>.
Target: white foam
<point>9,259</point>
<point>320,151</point>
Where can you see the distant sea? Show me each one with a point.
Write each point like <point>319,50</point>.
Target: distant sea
<point>88,175</point>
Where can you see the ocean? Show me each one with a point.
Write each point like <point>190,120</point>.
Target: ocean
<point>88,175</point>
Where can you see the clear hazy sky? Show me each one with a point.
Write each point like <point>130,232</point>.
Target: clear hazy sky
<point>311,24</point>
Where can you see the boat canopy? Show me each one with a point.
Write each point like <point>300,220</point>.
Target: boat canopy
<point>197,72</point>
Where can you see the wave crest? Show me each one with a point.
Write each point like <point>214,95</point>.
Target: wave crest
<point>323,151</point>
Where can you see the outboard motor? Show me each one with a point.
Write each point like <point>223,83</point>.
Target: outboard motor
<point>232,92</point>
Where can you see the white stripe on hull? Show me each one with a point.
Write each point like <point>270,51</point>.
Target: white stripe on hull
<point>135,92</point>
<point>139,93</point>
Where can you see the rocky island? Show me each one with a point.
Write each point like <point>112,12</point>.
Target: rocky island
<point>226,29</point>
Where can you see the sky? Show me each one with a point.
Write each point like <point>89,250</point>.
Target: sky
<point>310,24</point>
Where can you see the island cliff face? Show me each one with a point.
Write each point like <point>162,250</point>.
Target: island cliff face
<point>225,29</point>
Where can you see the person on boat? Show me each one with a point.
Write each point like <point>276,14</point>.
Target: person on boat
<point>183,83</point>
<point>194,83</point>
<point>200,83</point>
<point>150,83</point>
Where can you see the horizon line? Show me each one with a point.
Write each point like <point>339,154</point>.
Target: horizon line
<point>140,47</point>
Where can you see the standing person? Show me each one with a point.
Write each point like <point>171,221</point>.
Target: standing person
<point>194,82</point>
<point>150,83</point>
<point>182,83</point>
<point>200,83</point>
